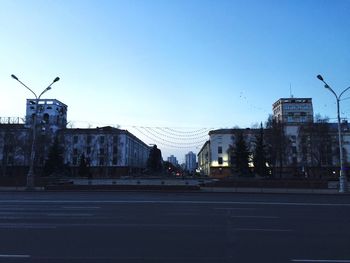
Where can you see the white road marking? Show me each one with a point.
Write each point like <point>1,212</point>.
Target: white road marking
<point>322,260</point>
<point>81,207</point>
<point>234,208</point>
<point>264,229</point>
<point>14,256</point>
<point>24,225</point>
<point>267,217</point>
<point>68,214</point>
<point>166,202</point>
<point>182,214</point>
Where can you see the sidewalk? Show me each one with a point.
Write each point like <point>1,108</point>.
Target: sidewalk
<point>201,190</point>
<point>268,190</point>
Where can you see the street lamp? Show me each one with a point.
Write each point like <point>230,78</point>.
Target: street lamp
<point>342,177</point>
<point>30,175</point>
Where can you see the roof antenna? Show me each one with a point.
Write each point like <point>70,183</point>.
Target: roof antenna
<point>290,90</point>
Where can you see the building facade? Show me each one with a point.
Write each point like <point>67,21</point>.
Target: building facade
<point>293,110</point>
<point>295,145</point>
<point>190,162</point>
<point>109,152</point>
<point>172,159</point>
<point>214,158</point>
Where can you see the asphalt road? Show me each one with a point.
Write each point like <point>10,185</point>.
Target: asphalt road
<point>173,227</point>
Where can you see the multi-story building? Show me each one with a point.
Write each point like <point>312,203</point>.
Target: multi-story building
<point>172,159</point>
<point>214,158</point>
<point>51,114</point>
<point>293,110</point>
<point>297,146</point>
<point>204,159</point>
<point>14,147</point>
<point>108,151</point>
<point>190,162</point>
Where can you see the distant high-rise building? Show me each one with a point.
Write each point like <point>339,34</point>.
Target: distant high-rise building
<point>293,110</point>
<point>191,163</point>
<point>172,159</point>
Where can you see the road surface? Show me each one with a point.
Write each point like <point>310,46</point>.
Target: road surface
<point>173,227</point>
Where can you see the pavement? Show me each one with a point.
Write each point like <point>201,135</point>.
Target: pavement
<point>203,190</point>
<point>171,185</point>
<point>268,190</point>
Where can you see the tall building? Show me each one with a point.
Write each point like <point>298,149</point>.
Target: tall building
<point>293,110</point>
<point>172,159</point>
<point>190,164</point>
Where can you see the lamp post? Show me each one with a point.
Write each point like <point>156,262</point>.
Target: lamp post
<point>30,175</point>
<point>342,177</point>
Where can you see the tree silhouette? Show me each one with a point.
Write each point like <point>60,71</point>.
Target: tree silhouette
<point>278,144</point>
<point>260,155</point>
<point>154,162</point>
<point>83,169</point>
<point>241,155</point>
<point>54,163</point>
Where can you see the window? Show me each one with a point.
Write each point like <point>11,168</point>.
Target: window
<point>88,150</point>
<point>115,160</point>
<point>115,149</point>
<point>102,161</point>
<point>75,160</point>
<point>220,160</point>
<point>88,139</point>
<point>75,151</point>
<point>75,139</point>
<point>102,151</point>
<point>220,149</point>
<point>46,118</point>
<point>115,139</point>
<point>102,139</point>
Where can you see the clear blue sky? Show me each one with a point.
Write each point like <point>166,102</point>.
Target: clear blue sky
<point>167,63</point>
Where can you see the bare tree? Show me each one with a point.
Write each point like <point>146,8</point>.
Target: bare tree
<point>316,146</point>
<point>278,145</point>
